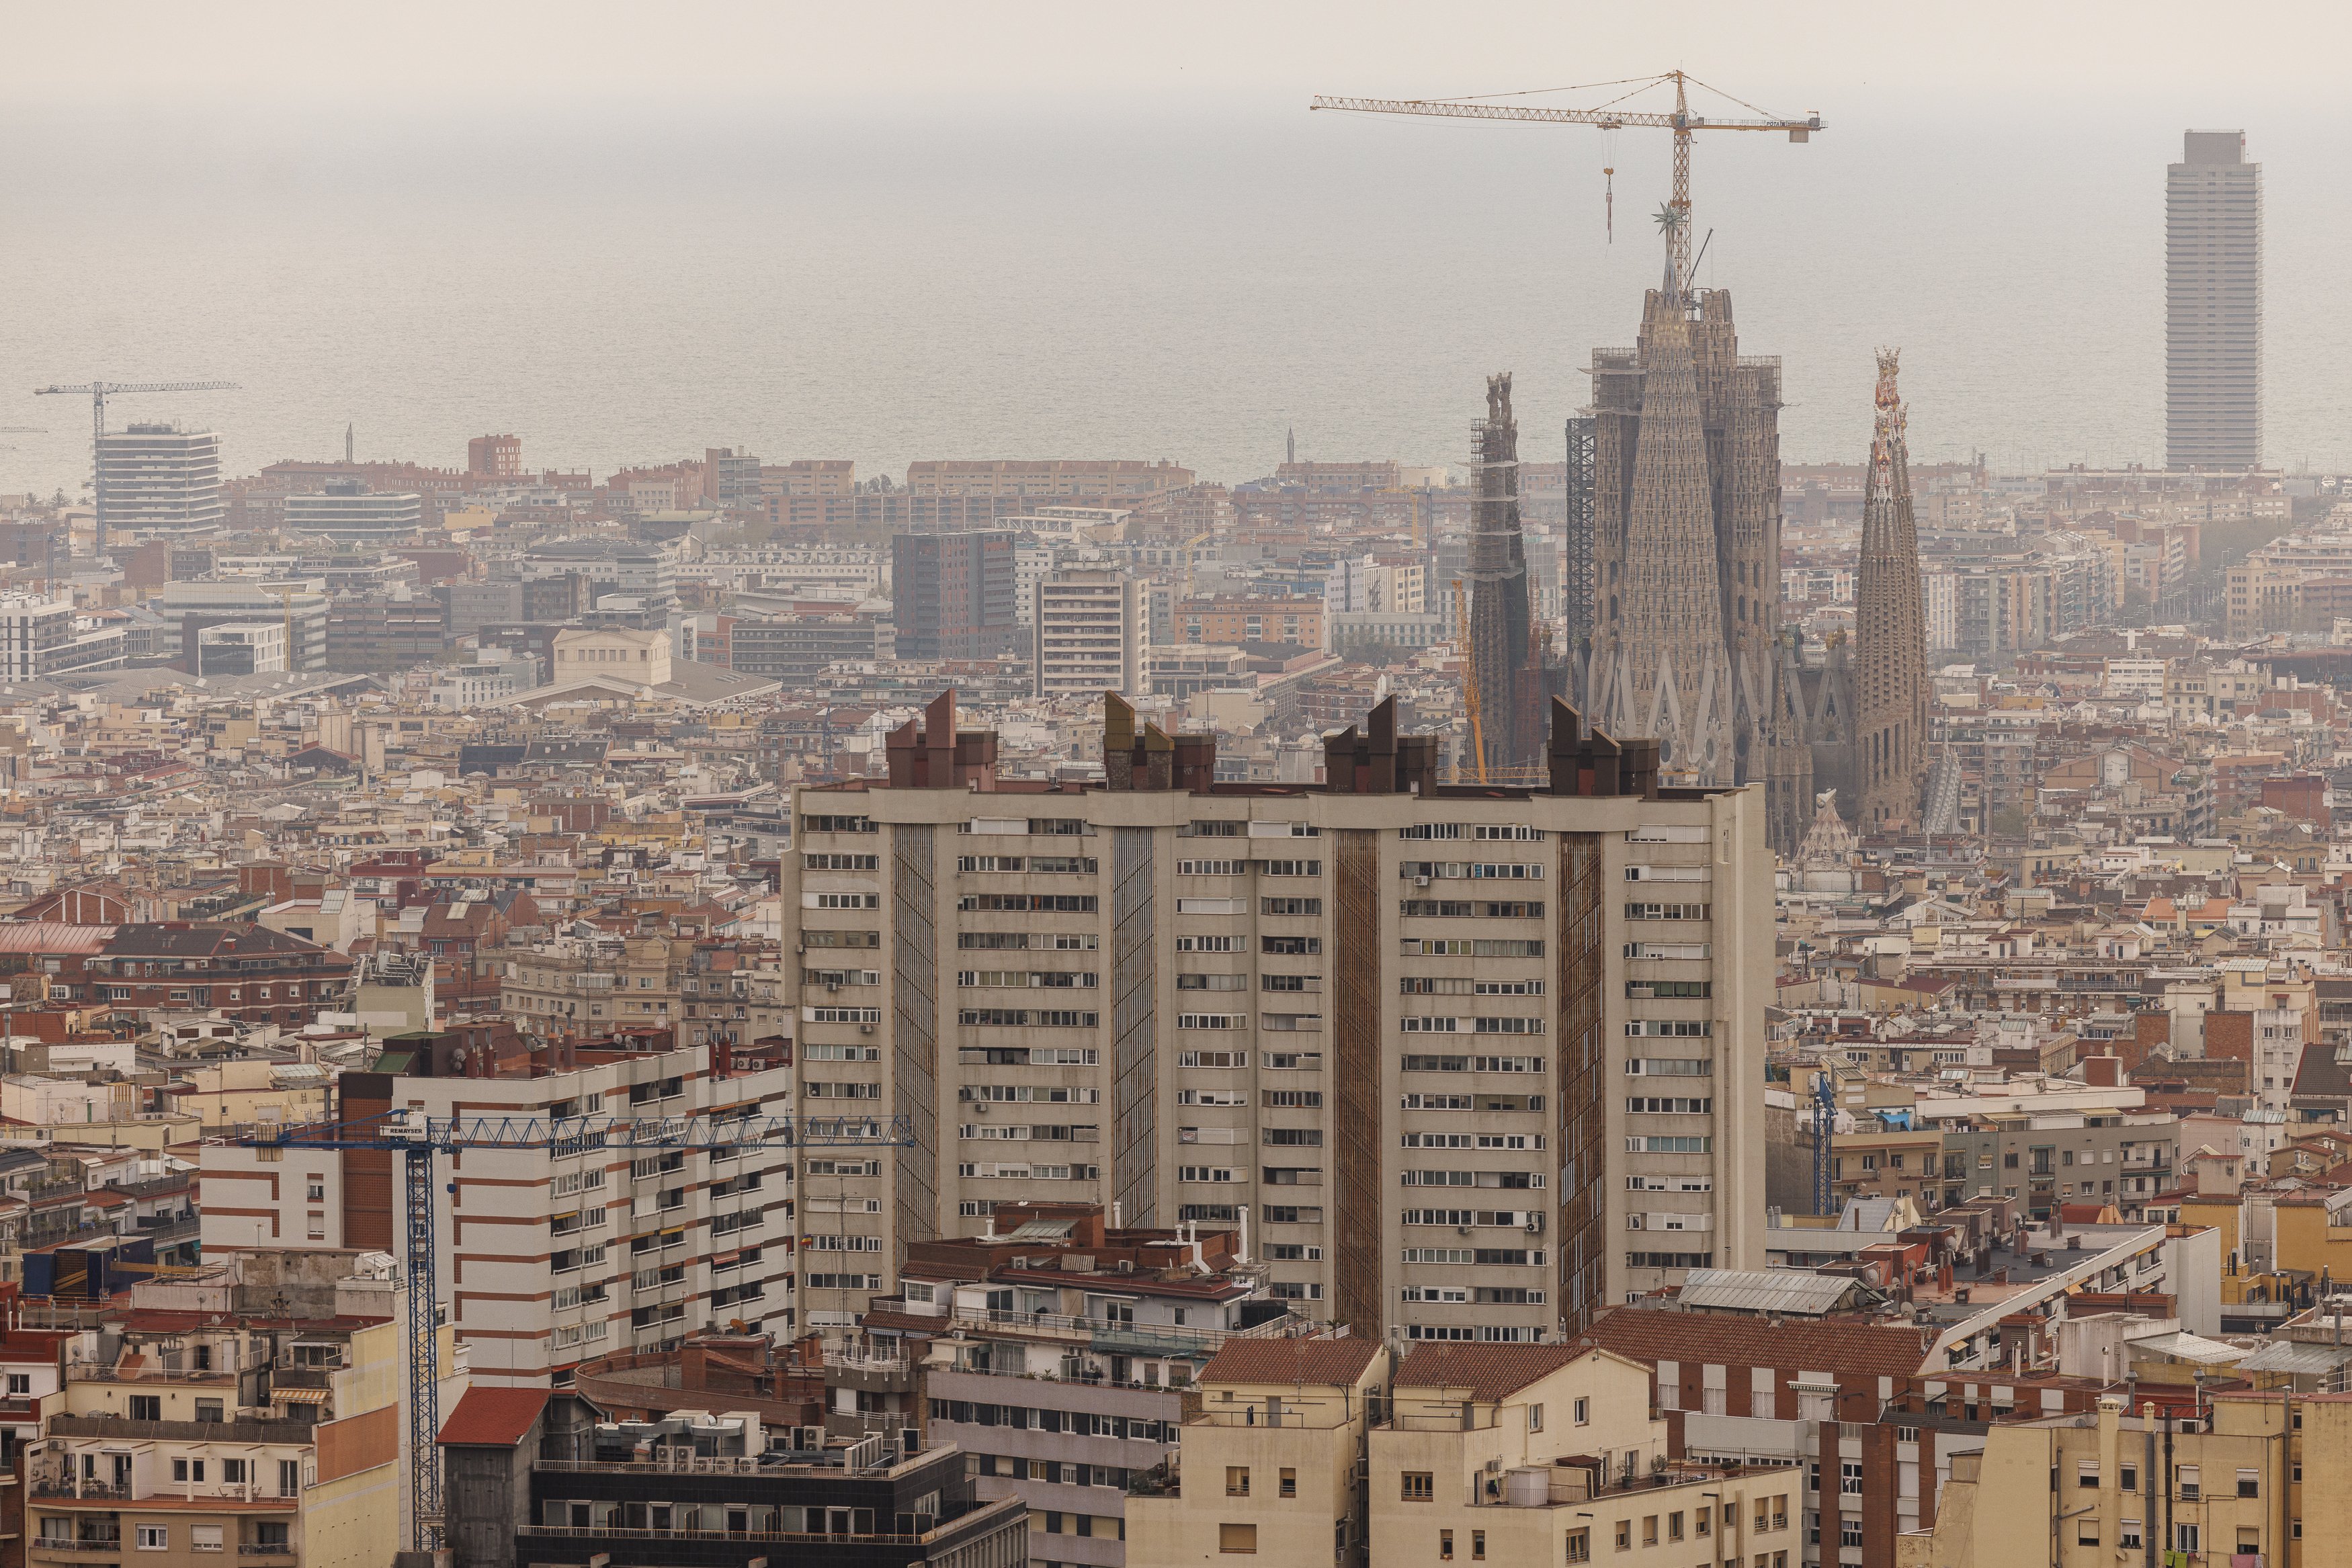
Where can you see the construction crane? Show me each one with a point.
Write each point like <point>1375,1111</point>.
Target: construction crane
<point>1469,683</point>
<point>1607,117</point>
<point>416,1138</point>
<point>98,392</point>
<point>1825,1140</point>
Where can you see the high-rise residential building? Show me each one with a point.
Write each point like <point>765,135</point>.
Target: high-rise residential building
<point>1890,728</point>
<point>495,456</point>
<point>347,510</point>
<point>158,479</point>
<point>1465,1063</point>
<point>1089,635</point>
<point>953,595</point>
<point>2213,304</point>
<point>1685,489</point>
<point>554,1254</point>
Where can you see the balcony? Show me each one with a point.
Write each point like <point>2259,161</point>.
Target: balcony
<point>109,1547</point>
<point>266,1548</point>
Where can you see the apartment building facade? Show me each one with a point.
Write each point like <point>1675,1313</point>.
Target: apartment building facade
<point>1456,1057</point>
<point>1089,634</point>
<point>553,1254</point>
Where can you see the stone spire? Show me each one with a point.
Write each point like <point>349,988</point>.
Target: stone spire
<point>1669,676</point>
<point>1890,732</point>
<point>1499,616</point>
<point>1687,642</point>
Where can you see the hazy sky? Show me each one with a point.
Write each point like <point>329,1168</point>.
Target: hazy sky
<point>2237,59</point>
<point>896,231</point>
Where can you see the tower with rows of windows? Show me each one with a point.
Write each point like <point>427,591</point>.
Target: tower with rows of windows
<point>1462,1062</point>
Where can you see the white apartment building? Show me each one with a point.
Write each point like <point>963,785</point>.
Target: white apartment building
<point>546,1257</point>
<point>348,510</point>
<point>1089,635</point>
<point>158,478</point>
<point>1463,1063</point>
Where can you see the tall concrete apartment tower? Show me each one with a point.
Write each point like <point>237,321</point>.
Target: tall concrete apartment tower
<point>2213,304</point>
<point>1686,556</point>
<point>1464,1063</point>
<point>1890,733</point>
<point>159,479</point>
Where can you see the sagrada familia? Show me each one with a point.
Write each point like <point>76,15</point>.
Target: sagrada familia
<point>1675,585</point>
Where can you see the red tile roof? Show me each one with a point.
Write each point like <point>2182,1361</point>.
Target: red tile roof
<point>493,1417</point>
<point>1653,1336</point>
<point>1489,1372</point>
<point>1333,1363</point>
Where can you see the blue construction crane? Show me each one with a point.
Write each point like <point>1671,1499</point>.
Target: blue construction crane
<point>416,1138</point>
<point>1824,1137</point>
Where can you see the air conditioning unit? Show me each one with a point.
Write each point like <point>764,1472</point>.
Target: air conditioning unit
<point>1421,881</point>
<point>866,1029</point>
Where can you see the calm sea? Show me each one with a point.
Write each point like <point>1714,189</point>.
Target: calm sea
<point>1158,280</point>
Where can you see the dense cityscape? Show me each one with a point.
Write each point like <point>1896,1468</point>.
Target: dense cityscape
<point>497,1069</point>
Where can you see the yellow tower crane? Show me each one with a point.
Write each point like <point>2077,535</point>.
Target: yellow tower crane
<point>1607,117</point>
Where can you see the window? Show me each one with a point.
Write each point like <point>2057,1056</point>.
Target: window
<point>1850,1530</point>
<point>1850,1479</point>
<point>1446,1546</point>
<point>289,1477</point>
<point>204,1537</point>
<point>1675,1525</point>
<point>1535,1418</point>
<point>1237,1480</point>
<point>1419,1486</point>
<point>1624,1535</point>
<point>187,1470</point>
<point>154,1538</point>
<point>2128,1477</point>
<point>2127,1534</point>
<point>1237,1538</point>
<point>236,1473</point>
<point>19,1382</point>
<point>146,1407</point>
<point>2086,1529</point>
<point>2086,1474</point>
<point>1580,1545</point>
<point>2250,1483</point>
<point>2187,1538</point>
<point>2186,1483</point>
<point>1648,1530</point>
<point>1290,1482</point>
<point>1477,1546</point>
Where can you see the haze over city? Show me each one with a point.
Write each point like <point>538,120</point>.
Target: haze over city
<point>1047,786</point>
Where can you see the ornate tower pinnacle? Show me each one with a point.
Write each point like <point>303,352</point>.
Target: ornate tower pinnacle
<point>1890,734</point>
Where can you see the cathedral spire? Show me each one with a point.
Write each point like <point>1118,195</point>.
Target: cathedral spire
<point>1890,734</point>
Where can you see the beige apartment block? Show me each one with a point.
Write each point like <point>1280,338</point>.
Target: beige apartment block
<point>1268,1463</point>
<point>192,1440</point>
<point>2078,1491</point>
<point>1463,1063</point>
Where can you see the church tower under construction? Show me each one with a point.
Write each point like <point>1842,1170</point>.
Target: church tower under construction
<point>1890,718</point>
<point>1686,549</point>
